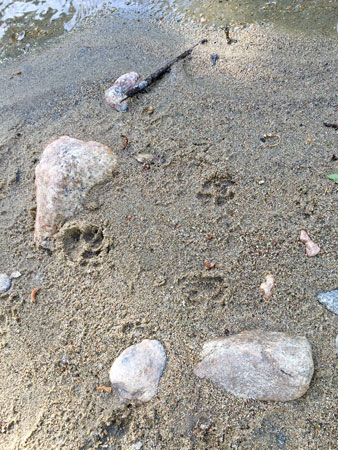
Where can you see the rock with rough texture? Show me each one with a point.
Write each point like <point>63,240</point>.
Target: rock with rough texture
<point>259,364</point>
<point>311,248</point>
<point>137,371</point>
<point>267,287</point>
<point>5,283</point>
<point>329,300</point>
<point>68,169</point>
<point>116,93</point>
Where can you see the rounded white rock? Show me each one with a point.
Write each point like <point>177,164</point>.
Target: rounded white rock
<point>137,371</point>
<point>15,274</point>
<point>5,283</point>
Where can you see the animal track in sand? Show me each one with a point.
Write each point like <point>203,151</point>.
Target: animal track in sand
<point>202,288</point>
<point>82,243</point>
<point>217,188</point>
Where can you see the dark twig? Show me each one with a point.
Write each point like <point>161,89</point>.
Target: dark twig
<point>159,73</point>
<point>331,125</point>
<point>227,35</point>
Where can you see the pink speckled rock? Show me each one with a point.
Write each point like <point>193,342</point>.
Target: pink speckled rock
<point>311,248</point>
<point>68,169</point>
<point>259,364</point>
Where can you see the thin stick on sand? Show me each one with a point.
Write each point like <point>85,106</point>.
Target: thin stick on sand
<point>140,87</point>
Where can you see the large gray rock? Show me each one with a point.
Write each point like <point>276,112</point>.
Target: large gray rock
<point>329,300</point>
<point>137,371</point>
<point>68,169</point>
<point>259,364</point>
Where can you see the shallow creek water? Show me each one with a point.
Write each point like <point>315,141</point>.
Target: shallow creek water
<point>26,23</point>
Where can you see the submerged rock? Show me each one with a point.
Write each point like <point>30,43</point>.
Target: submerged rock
<point>137,371</point>
<point>259,364</point>
<point>329,300</point>
<point>116,93</point>
<point>5,283</point>
<point>68,169</point>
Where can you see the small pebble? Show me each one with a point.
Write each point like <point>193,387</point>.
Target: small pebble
<point>203,19</point>
<point>214,57</point>
<point>329,300</point>
<point>15,274</point>
<point>116,93</point>
<point>5,283</point>
<point>150,110</point>
<point>144,157</point>
<point>137,446</point>
<point>311,248</point>
<point>137,371</point>
<point>267,286</point>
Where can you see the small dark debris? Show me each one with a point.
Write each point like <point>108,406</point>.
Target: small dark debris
<point>331,125</point>
<point>214,57</point>
<point>262,139</point>
<point>227,35</point>
<point>334,158</point>
<point>18,176</point>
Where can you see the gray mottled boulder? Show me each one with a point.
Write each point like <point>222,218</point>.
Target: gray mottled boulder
<point>259,364</point>
<point>137,371</point>
<point>68,169</point>
<point>329,300</point>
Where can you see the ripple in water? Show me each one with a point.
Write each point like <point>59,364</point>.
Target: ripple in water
<point>30,22</point>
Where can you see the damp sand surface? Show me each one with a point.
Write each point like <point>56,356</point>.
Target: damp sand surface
<point>131,266</point>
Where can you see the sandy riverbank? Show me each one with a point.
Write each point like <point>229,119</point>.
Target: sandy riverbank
<point>211,175</point>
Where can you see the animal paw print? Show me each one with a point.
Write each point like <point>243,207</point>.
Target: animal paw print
<point>202,288</point>
<point>217,188</point>
<point>82,243</point>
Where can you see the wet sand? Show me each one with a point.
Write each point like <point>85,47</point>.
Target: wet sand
<point>211,176</point>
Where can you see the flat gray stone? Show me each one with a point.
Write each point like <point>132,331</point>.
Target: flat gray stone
<point>68,170</point>
<point>137,371</point>
<point>329,300</point>
<point>259,364</point>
